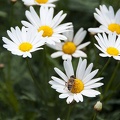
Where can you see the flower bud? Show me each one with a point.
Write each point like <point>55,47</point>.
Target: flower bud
<point>1,65</point>
<point>98,106</point>
<point>13,1</point>
<point>58,118</point>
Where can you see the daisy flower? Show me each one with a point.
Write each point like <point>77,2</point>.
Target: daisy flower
<point>22,42</point>
<point>48,3</point>
<point>72,47</point>
<point>109,45</point>
<point>110,22</point>
<point>48,24</point>
<point>74,87</point>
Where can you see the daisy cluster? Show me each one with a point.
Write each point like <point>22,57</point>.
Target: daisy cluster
<point>108,33</point>
<point>44,28</point>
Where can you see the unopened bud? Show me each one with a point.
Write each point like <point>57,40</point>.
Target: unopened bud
<point>58,118</point>
<point>98,106</point>
<point>13,1</point>
<point>1,65</point>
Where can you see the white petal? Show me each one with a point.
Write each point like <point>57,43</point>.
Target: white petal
<point>104,55</point>
<point>95,85</point>
<point>93,81</point>
<point>79,53</point>
<point>90,93</point>
<point>69,99</point>
<point>81,69</point>
<point>76,98</point>
<point>61,74</point>
<point>83,45</point>
<point>78,68</point>
<point>66,56</point>
<point>58,80</point>
<point>90,76</point>
<point>116,57</point>
<point>88,70</point>
<point>62,90</point>
<point>56,18</point>
<point>80,35</point>
<point>57,54</point>
<point>63,96</point>
<point>68,68</point>
<point>80,97</point>
<point>95,30</point>
<point>69,34</point>
<point>117,17</point>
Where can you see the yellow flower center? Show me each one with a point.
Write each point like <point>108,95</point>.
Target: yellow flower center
<point>78,86</point>
<point>25,47</point>
<point>112,51</point>
<point>47,31</point>
<point>69,48</point>
<point>41,1</point>
<point>114,28</point>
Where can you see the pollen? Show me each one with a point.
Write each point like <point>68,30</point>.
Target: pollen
<point>78,86</point>
<point>112,51</point>
<point>47,31</point>
<point>114,27</point>
<point>69,48</point>
<point>41,1</point>
<point>25,47</point>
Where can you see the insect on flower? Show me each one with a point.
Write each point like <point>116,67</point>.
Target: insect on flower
<point>70,83</point>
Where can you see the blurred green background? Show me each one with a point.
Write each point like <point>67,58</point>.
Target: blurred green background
<point>20,99</point>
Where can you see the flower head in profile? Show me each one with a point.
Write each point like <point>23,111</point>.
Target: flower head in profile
<point>74,86</point>
<point>22,42</point>
<point>98,106</point>
<point>48,3</point>
<point>58,118</point>
<point>72,47</point>
<point>108,45</point>
<point>110,22</point>
<point>50,25</point>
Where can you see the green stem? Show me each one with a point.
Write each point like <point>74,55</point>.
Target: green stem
<point>112,78</point>
<point>46,63</point>
<point>94,116</point>
<point>31,73</point>
<point>9,67</point>
<point>7,86</point>
<point>11,16</point>
<point>69,111</point>
<point>104,67</point>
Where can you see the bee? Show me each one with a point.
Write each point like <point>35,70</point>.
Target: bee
<point>70,82</point>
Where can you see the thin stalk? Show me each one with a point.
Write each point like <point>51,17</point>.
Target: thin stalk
<point>33,77</point>
<point>46,73</point>
<point>46,63</point>
<point>94,116</point>
<point>69,111</point>
<point>104,67</point>
<point>112,78</point>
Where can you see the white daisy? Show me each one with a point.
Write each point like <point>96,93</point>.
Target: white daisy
<point>110,46</point>
<point>73,87</point>
<point>72,47</point>
<point>22,42</point>
<point>110,22</point>
<point>48,24</point>
<point>48,3</point>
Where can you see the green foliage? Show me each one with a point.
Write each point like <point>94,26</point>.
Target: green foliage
<point>21,99</point>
